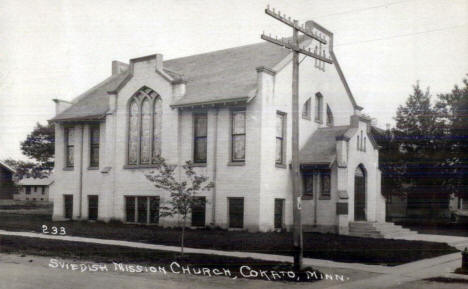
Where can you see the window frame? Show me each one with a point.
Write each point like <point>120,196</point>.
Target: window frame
<point>325,194</point>
<point>233,111</point>
<point>283,138</point>
<point>148,200</point>
<point>317,187</point>
<point>318,108</point>
<point>68,145</point>
<point>94,145</point>
<point>306,109</point>
<point>155,104</point>
<point>196,138</point>
<point>330,117</point>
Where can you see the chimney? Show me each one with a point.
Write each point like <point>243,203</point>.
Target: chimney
<point>118,67</point>
<point>61,105</point>
<point>159,62</point>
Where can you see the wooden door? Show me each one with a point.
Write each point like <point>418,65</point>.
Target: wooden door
<point>68,200</point>
<point>359,195</point>
<point>236,212</point>
<point>279,209</point>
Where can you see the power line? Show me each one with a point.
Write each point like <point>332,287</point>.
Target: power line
<point>401,35</point>
<point>363,9</point>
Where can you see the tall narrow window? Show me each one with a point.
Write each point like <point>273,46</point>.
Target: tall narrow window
<point>238,136</point>
<point>325,186</point>
<point>144,128</point>
<point>280,137</point>
<point>145,150</point>
<point>309,185</point>
<point>318,107</point>
<point>94,141</point>
<point>306,109</point>
<point>69,147</point>
<point>157,126</point>
<point>330,120</point>
<point>200,123</point>
<point>133,137</point>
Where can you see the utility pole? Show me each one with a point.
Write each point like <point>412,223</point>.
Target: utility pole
<point>296,49</point>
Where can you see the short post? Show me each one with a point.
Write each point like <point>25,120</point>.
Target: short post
<point>464,266</point>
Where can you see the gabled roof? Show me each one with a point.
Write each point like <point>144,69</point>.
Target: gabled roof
<point>219,76</point>
<point>320,148</point>
<point>12,170</point>
<point>94,103</point>
<point>35,181</point>
<point>224,74</point>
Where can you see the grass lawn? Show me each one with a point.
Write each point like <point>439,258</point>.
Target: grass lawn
<point>316,245</point>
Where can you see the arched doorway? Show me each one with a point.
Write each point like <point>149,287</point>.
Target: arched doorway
<point>360,194</point>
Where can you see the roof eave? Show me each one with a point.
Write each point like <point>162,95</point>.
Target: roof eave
<point>213,103</point>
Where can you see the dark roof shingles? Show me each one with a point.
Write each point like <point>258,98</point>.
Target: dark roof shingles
<point>321,146</point>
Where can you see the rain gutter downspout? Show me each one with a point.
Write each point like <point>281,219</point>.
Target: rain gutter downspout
<point>81,171</point>
<point>215,153</point>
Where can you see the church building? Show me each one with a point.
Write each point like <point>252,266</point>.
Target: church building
<point>228,111</point>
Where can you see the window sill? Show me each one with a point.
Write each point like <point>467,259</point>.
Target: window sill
<point>236,164</point>
<point>324,198</point>
<point>198,164</point>
<point>93,168</point>
<point>319,121</point>
<point>306,117</point>
<point>68,168</point>
<point>282,166</point>
<point>307,197</point>
<point>153,166</point>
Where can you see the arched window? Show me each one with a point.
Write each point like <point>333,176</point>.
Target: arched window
<point>330,120</point>
<point>144,127</point>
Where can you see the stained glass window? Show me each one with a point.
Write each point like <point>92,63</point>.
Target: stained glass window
<point>145,120</point>
<point>145,151</point>
<point>157,126</point>
<point>133,134</point>
<point>238,136</point>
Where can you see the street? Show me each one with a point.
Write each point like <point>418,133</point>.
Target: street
<point>24,272</point>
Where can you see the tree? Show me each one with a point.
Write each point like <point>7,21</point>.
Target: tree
<point>453,110</point>
<point>183,193</point>
<point>418,152</point>
<point>40,146</point>
<point>24,169</point>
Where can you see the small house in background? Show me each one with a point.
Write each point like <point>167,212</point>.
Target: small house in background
<point>7,185</point>
<point>33,189</point>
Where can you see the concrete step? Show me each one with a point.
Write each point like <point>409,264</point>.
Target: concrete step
<point>378,230</point>
<point>366,235</point>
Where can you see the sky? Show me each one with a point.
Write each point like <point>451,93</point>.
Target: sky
<point>59,48</point>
